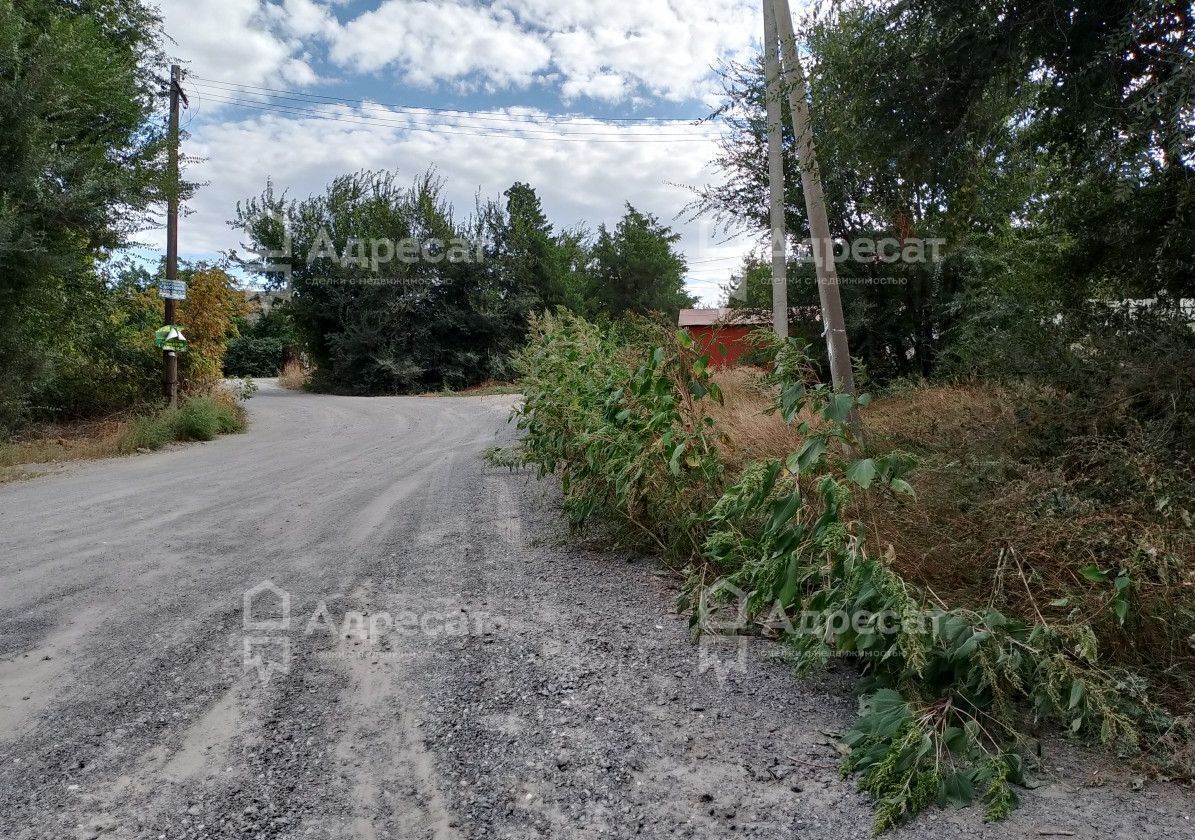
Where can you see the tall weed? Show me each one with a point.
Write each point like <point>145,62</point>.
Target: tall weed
<point>950,692</point>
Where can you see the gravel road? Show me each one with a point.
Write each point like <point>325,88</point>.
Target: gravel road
<point>447,665</point>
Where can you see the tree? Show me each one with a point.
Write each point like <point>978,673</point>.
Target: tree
<point>444,314</point>
<point>635,268</point>
<point>1049,147</point>
<point>83,154</point>
<point>528,249</point>
<point>209,318</point>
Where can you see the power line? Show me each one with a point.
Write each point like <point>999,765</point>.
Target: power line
<point>507,124</point>
<point>522,134</point>
<point>294,94</point>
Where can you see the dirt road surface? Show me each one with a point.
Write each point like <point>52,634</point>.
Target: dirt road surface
<point>446,666</point>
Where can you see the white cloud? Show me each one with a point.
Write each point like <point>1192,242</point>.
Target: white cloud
<point>303,18</point>
<point>605,51</point>
<point>580,181</point>
<point>608,50</point>
<point>239,40</point>
<point>668,49</point>
<point>431,40</point>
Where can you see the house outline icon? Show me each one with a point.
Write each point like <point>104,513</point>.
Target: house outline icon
<point>254,595</point>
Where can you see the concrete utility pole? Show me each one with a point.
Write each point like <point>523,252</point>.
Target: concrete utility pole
<point>169,357</point>
<point>771,64</point>
<point>815,206</point>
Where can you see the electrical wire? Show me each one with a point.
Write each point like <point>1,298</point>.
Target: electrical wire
<point>514,133</point>
<point>294,94</point>
<point>522,126</point>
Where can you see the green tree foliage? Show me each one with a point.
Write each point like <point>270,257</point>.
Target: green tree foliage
<point>82,144</point>
<point>263,343</point>
<point>453,314</point>
<point>528,250</point>
<point>635,268</point>
<point>1050,147</point>
<point>399,326</point>
<point>248,355</point>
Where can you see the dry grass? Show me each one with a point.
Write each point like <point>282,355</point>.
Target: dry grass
<point>295,375</point>
<point>111,437</point>
<point>996,525</point>
<point>58,442</point>
<point>748,432</point>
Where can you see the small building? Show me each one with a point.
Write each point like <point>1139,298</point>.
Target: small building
<point>721,333</point>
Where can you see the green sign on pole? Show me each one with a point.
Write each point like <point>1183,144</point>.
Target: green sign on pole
<point>170,337</point>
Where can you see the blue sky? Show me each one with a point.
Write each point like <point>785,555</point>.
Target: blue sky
<point>613,67</point>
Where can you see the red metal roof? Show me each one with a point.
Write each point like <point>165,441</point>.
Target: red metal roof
<point>721,315</point>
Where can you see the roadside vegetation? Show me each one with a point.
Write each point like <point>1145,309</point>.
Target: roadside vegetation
<point>197,418</point>
<point>997,567</point>
<point>1004,546</point>
<point>81,117</point>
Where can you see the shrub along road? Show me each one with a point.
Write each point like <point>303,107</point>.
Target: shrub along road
<point>482,679</point>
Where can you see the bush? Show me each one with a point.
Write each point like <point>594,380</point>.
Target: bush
<point>198,418</point>
<point>251,356</point>
<point>149,433</point>
<point>295,376</point>
<point>620,430</point>
<point>950,690</point>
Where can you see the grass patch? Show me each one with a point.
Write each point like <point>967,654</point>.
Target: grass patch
<point>1000,521</point>
<point>64,442</point>
<point>199,418</point>
<point>294,376</point>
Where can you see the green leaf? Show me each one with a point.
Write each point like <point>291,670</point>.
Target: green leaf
<point>1121,608</point>
<point>792,397</point>
<point>839,407</point>
<point>899,485</point>
<point>1092,573</point>
<point>955,739</point>
<point>862,472</point>
<point>967,649</point>
<point>674,461</point>
<point>807,456</point>
<point>956,789</point>
<point>1078,689</point>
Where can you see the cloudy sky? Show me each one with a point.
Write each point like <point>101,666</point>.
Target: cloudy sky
<point>587,100</point>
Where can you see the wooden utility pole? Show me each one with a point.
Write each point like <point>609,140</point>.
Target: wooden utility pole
<point>815,205</point>
<point>771,64</point>
<point>169,357</point>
